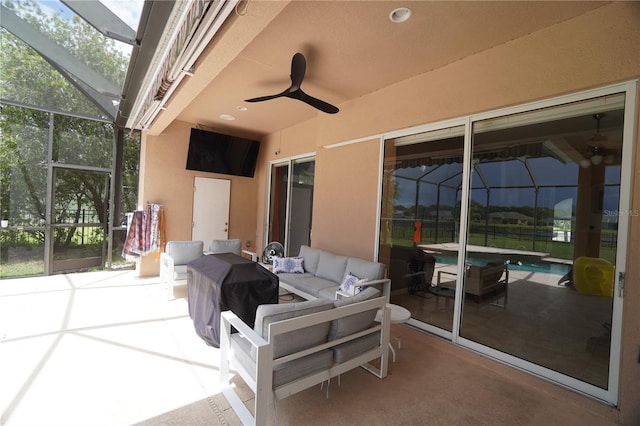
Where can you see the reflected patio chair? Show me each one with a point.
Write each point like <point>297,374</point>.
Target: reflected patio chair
<point>173,262</point>
<point>492,278</point>
<point>411,268</point>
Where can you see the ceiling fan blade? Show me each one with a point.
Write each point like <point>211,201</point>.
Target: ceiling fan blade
<point>266,98</point>
<point>262,98</point>
<point>298,69</point>
<point>317,103</point>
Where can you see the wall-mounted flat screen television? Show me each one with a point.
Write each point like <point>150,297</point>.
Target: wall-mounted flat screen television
<point>218,153</point>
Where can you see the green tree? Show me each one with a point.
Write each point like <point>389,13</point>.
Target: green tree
<point>26,78</point>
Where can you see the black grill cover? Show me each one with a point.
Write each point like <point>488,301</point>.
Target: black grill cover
<point>226,281</point>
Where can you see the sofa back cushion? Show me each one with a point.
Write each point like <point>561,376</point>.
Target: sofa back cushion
<point>297,340</point>
<point>183,252</point>
<point>353,323</point>
<point>331,267</point>
<point>226,246</point>
<point>365,269</point>
<point>311,257</point>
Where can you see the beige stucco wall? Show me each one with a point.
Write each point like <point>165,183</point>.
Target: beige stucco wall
<point>559,60</point>
<point>165,180</point>
<point>594,50</point>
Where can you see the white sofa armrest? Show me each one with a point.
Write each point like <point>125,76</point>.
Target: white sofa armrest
<point>263,393</point>
<point>252,254</point>
<point>167,268</point>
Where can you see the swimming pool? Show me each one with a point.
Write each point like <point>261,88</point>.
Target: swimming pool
<point>545,267</point>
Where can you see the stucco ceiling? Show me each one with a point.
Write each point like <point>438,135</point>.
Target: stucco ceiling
<point>351,47</point>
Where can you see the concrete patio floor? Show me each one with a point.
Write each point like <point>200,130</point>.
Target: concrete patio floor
<point>107,348</point>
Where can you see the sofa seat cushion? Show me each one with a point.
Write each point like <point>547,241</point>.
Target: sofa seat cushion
<point>311,285</point>
<point>296,340</point>
<point>311,258</point>
<point>283,373</point>
<point>350,350</point>
<point>292,278</point>
<point>331,267</point>
<point>353,323</point>
<point>328,293</point>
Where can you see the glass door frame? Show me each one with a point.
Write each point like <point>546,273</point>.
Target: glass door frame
<point>434,127</point>
<point>289,163</point>
<point>609,395</point>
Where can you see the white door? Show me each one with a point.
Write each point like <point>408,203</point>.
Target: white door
<point>210,210</point>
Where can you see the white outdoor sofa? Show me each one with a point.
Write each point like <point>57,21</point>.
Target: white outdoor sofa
<point>294,346</point>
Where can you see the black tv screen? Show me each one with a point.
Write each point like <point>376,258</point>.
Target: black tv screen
<point>217,153</point>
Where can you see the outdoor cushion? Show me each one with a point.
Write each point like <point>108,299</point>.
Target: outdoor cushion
<point>365,269</point>
<point>327,293</point>
<point>293,341</point>
<point>311,257</point>
<point>312,285</point>
<point>348,350</point>
<point>289,265</point>
<point>331,267</point>
<point>179,272</point>
<point>283,373</point>
<point>226,246</point>
<point>183,252</point>
<point>293,277</point>
<point>350,284</point>
<point>290,371</point>
<point>353,323</point>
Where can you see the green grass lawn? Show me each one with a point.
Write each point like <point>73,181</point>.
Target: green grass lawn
<point>21,268</point>
<point>555,249</point>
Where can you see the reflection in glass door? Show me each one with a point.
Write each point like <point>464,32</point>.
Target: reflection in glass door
<point>542,238</point>
<point>291,204</point>
<point>278,202</point>
<point>79,218</point>
<point>516,248</point>
<point>422,189</point>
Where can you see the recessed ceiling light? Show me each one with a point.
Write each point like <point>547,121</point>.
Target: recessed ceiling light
<point>400,14</point>
<point>227,117</point>
<point>242,108</point>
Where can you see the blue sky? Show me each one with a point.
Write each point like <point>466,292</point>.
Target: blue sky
<point>127,10</point>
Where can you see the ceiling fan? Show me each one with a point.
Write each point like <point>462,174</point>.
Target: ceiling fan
<point>298,68</point>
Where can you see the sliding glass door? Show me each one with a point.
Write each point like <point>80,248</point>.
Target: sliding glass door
<point>291,203</point>
<point>506,233</point>
<point>422,189</point>
<point>542,237</point>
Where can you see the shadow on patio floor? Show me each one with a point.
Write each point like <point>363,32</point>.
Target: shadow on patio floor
<point>108,348</point>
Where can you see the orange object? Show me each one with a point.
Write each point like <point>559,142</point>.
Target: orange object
<point>417,234</point>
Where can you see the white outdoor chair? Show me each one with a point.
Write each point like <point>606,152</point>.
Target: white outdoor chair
<point>173,262</point>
